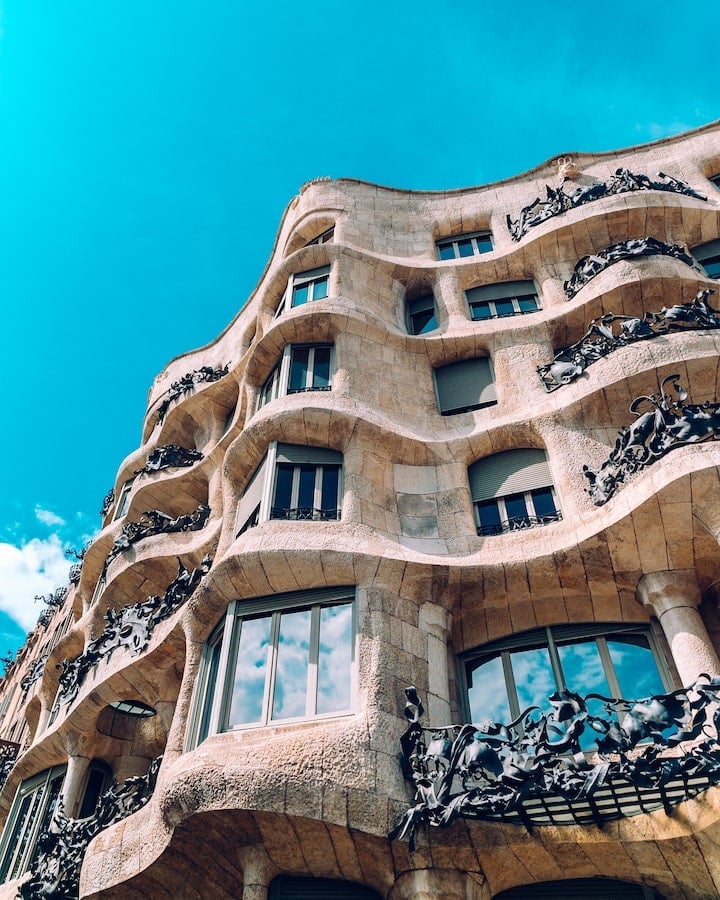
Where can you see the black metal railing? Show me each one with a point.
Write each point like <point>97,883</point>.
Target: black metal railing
<point>518,523</point>
<point>304,513</point>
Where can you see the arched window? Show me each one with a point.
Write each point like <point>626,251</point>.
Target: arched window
<point>586,888</point>
<point>303,887</point>
<point>512,490</point>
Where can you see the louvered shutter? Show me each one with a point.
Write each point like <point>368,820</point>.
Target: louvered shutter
<point>509,472</point>
<point>501,290</point>
<point>465,384</point>
<point>299,453</point>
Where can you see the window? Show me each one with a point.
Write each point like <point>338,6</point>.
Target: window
<point>303,367</point>
<point>98,779</point>
<point>303,887</point>
<point>502,679</point>
<point>420,314</point>
<point>304,288</point>
<point>465,385</point>
<point>461,245</point>
<point>99,588</point>
<point>307,485</point>
<point>325,238</point>
<point>715,180</point>
<point>30,815</point>
<point>708,255</point>
<point>511,491</point>
<point>275,659</point>
<point>123,503</point>
<point>508,298</point>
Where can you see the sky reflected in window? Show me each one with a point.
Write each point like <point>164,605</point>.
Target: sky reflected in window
<point>334,659</point>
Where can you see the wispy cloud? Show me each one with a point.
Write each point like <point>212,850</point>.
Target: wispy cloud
<point>34,568</point>
<point>47,517</point>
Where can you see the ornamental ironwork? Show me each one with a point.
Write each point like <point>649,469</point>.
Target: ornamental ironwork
<point>650,754</point>
<point>304,513</point>
<point>155,522</point>
<point>8,754</point>
<point>76,569</point>
<point>107,503</point>
<point>169,456</point>
<point>129,628</point>
<point>518,523</point>
<point>33,674</point>
<point>594,263</point>
<point>667,424</point>
<point>609,332</point>
<point>557,201</point>
<point>186,384</point>
<point>55,873</point>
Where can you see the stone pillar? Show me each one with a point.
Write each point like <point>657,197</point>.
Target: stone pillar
<point>674,598</point>
<point>435,623</point>
<point>74,783</point>
<point>431,884</point>
<point>258,872</point>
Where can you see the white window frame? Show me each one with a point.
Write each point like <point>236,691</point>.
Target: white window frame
<point>212,701</point>
<point>410,313</point>
<point>325,237</point>
<point>311,278</point>
<point>491,302</point>
<point>16,859</point>
<point>474,237</point>
<point>277,384</point>
<point>123,503</point>
<point>508,524</point>
<point>317,492</point>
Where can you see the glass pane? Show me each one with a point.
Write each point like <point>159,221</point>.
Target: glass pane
<point>209,692</point>
<point>504,308</point>
<point>712,267</point>
<point>543,502</point>
<point>250,672</point>
<point>50,802</point>
<point>422,322</point>
<point>298,369</point>
<point>465,247</point>
<point>334,659</point>
<point>283,490</point>
<point>582,668</point>
<point>487,693</point>
<point>321,368</point>
<point>306,491</point>
<point>329,495</point>
<point>489,517</point>
<point>480,311</point>
<point>300,294</point>
<point>320,288</point>
<point>293,651</point>
<point>484,242</point>
<point>25,817</point>
<point>446,251</point>
<point>635,667</point>
<point>516,509</point>
<point>534,679</point>
<point>528,303</point>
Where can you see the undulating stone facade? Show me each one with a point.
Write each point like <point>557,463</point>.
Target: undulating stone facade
<point>455,458</point>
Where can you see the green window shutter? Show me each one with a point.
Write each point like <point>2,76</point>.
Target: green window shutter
<point>509,472</point>
<point>298,453</point>
<point>501,290</point>
<point>465,384</point>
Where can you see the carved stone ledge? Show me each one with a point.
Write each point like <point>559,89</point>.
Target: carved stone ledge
<point>635,248</point>
<point>610,332</point>
<point>666,425</point>
<point>557,201</point>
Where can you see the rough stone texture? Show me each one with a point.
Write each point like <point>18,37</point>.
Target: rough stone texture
<point>318,797</point>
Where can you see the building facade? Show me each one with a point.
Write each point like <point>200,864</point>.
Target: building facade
<point>453,462</point>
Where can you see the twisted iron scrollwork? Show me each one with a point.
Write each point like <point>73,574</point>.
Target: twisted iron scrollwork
<point>169,456</point>
<point>155,522</point>
<point>651,753</point>
<point>186,384</point>
<point>107,503</point>
<point>8,754</point>
<point>33,674</point>
<point>55,874</point>
<point>668,423</point>
<point>130,628</point>
<point>557,201</point>
<point>589,266</point>
<point>609,332</point>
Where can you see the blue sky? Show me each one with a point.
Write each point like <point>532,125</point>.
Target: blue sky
<point>147,151</point>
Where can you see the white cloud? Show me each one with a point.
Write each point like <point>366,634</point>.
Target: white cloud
<point>47,517</point>
<point>37,567</point>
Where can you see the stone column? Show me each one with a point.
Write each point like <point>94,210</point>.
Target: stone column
<point>435,622</point>
<point>258,872</point>
<point>674,598</point>
<point>74,782</point>
<point>431,884</point>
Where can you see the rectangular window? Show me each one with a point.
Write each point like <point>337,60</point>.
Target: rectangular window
<point>307,491</point>
<point>325,238</point>
<point>463,245</point>
<point>309,286</point>
<point>509,298</point>
<point>517,511</point>
<point>420,314</point>
<point>283,658</point>
<point>303,367</point>
<point>465,385</point>
<point>123,503</point>
<point>708,255</point>
<point>30,815</point>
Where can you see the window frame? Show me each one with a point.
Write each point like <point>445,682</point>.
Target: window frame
<point>454,241</point>
<point>123,503</point>
<point>213,698</point>
<point>413,309</point>
<point>508,523</point>
<point>598,632</point>
<point>708,255</point>
<point>484,376</point>
<point>715,179</point>
<point>504,291</point>
<point>325,237</point>
<point>277,384</point>
<point>310,278</point>
<point>16,853</point>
